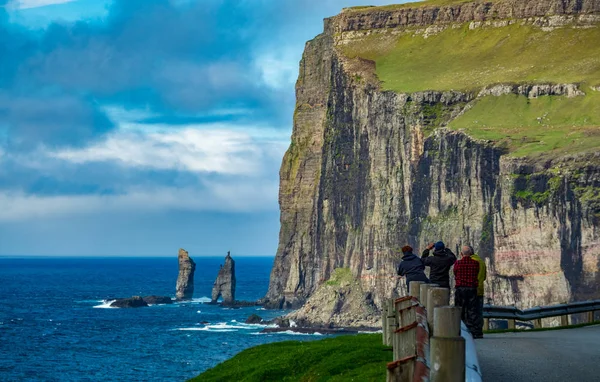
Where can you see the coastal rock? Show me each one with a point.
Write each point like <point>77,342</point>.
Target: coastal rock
<point>133,302</point>
<point>185,280</point>
<point>339,302</point>
<point>156,300</point>
<point>254,319</point>
<point>369,171</point>
<point>224,285</point>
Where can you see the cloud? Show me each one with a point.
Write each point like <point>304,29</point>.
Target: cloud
<point>26,4</point>
<point>215,196</point>
<point>53,120</point>
<point>213,150</point>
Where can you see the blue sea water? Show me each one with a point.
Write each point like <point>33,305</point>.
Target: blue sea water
<point>54,325</point>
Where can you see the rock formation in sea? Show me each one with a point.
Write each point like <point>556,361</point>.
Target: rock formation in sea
<point>133,302</point>
<point>185,280</point>
<point>140,302</point>
<point>405,134</point>
<point>254,319</point>
<point>224,285</point>
<point>157,300</point>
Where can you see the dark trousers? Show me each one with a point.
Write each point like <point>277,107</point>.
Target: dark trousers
<point>466,298</point>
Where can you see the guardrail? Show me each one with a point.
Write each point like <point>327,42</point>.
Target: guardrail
<point>536,314</point>
<point>425,331</point>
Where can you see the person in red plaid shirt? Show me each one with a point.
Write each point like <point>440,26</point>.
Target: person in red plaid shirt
<point>466,271</point>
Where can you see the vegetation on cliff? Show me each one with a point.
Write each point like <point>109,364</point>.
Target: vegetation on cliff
<point>529,127</point>
<point>469,59</point>
<point>345,358</point>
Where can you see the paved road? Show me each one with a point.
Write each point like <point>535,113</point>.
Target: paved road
<point>556,355</point>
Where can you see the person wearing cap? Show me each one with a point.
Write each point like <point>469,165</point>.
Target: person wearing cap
<point>411,266</point>
<point>439,264</point>
<point>466,273</point>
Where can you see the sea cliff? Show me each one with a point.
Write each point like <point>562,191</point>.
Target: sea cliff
<point>394,145</point>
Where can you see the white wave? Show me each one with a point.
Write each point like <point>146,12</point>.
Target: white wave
<point>232,326</point>
<point>106,304</point>
<point>292,333</point>
<point>207,329</point>
<point>368,332</point>
<point>239,325</point>
<point>200,300</point>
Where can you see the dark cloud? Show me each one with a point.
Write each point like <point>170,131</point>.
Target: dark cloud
<point>50,120</point>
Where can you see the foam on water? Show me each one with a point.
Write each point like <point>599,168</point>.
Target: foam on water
<point>292,333</point>
<point>207,329</point>
<point>105,304</point>
<point>232,326</point>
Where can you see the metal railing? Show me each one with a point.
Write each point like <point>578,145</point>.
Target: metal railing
<point>513,314</point>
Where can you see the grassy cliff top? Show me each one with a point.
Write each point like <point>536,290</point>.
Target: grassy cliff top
<point>469,59</point>
<point>412,4</point>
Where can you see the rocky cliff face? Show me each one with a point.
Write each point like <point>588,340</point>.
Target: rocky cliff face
<point>369,171</point>
<point>224,285</point>
<point>185,280</point>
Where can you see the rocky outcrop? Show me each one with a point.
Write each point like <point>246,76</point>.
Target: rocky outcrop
<point>369,171</point>
<point>339,302</point>
<point>133,302</point>
<point>157,300</point>
<point>425,15</point>
<point>224,285</point>
<point>185,280</point>
<point>254,319</point>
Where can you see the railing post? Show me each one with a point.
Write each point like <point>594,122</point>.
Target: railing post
<point>564,320</point>
<point>590,316</point>
<point>391,322</point>
<point>537,324</point>
<point>486,324</point>
<point>423,293</point>
<point>447,347</point>
<point>512,324</point>
<point>403,336</point>
<point>415,288</point>
<point>436,297</point>
<point>425,296</point>
<point>384,319</point>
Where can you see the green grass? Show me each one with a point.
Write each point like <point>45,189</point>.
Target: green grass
<point>414,4</point>
<point>344,358</point>
<point>547,125</point>
<point>340,276</point>
<point>463,59</point>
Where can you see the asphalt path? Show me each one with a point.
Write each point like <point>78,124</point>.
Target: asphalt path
<point>554,355</point>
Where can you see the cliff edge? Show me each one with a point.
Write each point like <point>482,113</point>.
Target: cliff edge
<point>475,122</point>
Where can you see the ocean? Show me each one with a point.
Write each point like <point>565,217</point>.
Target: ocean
<point>56,326</point>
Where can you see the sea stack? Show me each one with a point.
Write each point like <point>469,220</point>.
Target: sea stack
<point>185,281</point>
<point>224,285</point>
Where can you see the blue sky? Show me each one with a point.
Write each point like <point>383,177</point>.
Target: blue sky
<point>135,127</point>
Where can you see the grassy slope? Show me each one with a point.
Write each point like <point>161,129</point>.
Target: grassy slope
<point>463,59</point>
<point>344,358</point>
<point>548,125</point>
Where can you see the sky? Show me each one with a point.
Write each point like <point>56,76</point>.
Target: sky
<point>138,127</point>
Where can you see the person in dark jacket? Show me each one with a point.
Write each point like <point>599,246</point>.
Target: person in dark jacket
<point>439,264</point>
<point>411,266</point>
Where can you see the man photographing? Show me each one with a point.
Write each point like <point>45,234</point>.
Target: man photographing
<point>439,264</point>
